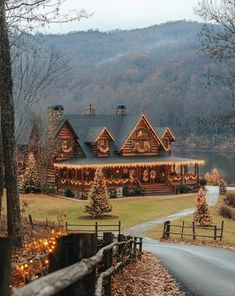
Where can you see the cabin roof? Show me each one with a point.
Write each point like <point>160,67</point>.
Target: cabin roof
<point>88,127</point>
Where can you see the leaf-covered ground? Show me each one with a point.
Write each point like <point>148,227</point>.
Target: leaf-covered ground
<point>145,277</point>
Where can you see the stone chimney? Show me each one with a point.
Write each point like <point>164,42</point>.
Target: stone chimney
<point>90,110</point>
<point>55,117</point>
<point>121,110</point>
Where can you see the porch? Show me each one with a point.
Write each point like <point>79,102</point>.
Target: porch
<point>152,178</point>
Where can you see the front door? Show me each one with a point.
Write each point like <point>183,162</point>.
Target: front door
<point>153,175</point>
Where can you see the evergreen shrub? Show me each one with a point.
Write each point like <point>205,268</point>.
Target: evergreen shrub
<point>183,189</point>
<point>69,193</point>
<point>230,199</point>
<point>226,212</point>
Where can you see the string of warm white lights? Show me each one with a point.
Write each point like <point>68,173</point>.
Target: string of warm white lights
<point>37,262</point>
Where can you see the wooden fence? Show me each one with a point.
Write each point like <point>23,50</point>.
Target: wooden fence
<point>93,228</point>
<point>75,268</point>
<point>169,229</point>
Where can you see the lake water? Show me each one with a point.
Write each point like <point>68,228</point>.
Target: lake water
<point>223,162</point>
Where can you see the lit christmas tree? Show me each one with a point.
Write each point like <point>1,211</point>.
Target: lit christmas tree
<point>98,196</point>
<point>30,179</point>
<point>202,216</point>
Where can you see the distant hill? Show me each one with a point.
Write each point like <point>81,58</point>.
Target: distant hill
<point>155,70</point>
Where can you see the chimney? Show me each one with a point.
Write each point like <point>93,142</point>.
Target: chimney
<point>90,110</point>
<point>55,117</point>
<point>121,110</point>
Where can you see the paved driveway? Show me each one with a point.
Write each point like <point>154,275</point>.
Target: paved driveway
<point>201,271</point>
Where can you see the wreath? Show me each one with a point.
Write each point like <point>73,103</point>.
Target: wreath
<point>145,176</point>
<point>153,174</point>
<point>103,150</point>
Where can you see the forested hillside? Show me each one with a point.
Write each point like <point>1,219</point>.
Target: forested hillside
<point>155,70</point>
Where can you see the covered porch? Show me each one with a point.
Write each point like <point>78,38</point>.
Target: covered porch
<point>164,175</point>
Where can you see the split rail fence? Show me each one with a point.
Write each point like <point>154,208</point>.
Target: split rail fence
<point>75,267</point>
<point>93,228</point>
<point>171,229</point>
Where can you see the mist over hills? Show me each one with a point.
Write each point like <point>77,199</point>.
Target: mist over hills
<point>154,70</point>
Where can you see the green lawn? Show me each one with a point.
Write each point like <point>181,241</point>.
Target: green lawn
<point>229,227</point>
<point>128,211</point>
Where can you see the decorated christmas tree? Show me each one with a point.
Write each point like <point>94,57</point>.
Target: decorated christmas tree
<point>201,215</point>
<point>30,179</point>
<point>98,196</point>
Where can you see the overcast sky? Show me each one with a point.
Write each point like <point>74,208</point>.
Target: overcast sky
<point>127,14</point>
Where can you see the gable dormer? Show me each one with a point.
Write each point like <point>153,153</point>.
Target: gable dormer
<point>167,138</point>
<point>66,142</point>
<point>100,139</point>
<point>142,140</point>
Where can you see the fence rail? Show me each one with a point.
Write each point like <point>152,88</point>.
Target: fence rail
<point>76,268</point>
<point>217,232</point>
<point>93,228</point>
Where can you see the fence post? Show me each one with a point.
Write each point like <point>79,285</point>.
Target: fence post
<point>66,227</point>
<point>182,231</point>
<point>222,230</point>
<point>119,227</point>
<point>71,249</point>
<point>121,238</point>
<point>5,265</point>
<point>108,261</point>
<point>96,229</point>
<point>134,251</point>
<point>167,229</point>
<point>140,247</point>
<point>194,236</point>
<point>215,232</point>
<point>31,221</point>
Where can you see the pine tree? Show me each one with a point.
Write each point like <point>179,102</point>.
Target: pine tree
<point>98,196</point>
<point>201,215</point>
<point>30,180</point>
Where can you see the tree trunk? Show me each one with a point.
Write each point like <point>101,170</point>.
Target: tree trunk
<point>8,133</point>
<point>1,174</point>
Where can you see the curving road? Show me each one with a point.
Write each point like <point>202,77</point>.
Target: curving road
<point>201,271</point>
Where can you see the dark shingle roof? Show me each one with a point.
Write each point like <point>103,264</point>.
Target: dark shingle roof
<point>87,126</point>
<point>93,133</point>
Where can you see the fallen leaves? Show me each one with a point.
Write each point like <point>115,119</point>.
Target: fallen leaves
<point>145,277</point>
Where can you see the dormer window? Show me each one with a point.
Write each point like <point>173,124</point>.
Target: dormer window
<point>142,141</point>
<point>66,145</point>
<point>103,146</point>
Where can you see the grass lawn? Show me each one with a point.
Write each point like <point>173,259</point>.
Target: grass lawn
<point>128,211</point>
<point>229,227</point>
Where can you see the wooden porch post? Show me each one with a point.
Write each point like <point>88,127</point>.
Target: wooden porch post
<point>83,185</point>
<point>181,173</point>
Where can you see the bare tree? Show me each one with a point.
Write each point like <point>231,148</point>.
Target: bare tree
<point>18,16</point>
<point>33,72</point>
<point>218,42</point>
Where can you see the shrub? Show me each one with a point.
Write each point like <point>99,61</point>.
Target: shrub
<point>69,193</point>
<point>138,191</point>
<point>183,189</point>
<point>230,199</point>
<point>83,195</point>
<point>202,182</point>
<point>126,190</point>
<point>226,212</point>
<point>113,194</point>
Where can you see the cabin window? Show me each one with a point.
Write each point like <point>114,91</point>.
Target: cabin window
<point>103,146</point>
<point>141,142</point>
<point>66,145</point>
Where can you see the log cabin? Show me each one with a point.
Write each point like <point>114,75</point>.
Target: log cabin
<point>130,149</point>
